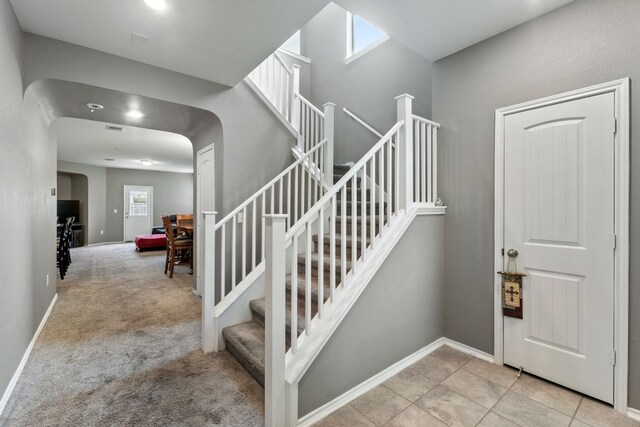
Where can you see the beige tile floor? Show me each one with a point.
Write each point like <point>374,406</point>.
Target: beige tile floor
<point>451,388</point>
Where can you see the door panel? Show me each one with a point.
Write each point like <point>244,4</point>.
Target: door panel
<point>138,211</point>
<point>559,215</point>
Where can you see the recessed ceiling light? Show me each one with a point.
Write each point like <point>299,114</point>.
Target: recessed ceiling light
<point>156,4</point>
<point>135,114</point>
<point>146,162</point>
<point>93,106</point>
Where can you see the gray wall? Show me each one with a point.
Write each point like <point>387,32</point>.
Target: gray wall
<point>367,86</point>
<point>64,186</point>
<point>400,311</point>
<point>256,145</point>
<point>584,43</point>
<point>94,220</point>
<point>26,203</point>
<point>172,194</point>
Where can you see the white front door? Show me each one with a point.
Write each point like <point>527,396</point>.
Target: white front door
<point>138,211</point>
<point>205,202</point>
<point>559,216</point>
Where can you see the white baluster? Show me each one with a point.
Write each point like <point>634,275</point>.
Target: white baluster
<point>328,130</point>
<point>295,103</point>
<point>332,242</point>
<point>307,281</point>
<point>434,172</point>
<point>294,295</point>
<point>223,253</point>
<point>275,321</point>
<point>244,243</point>
<point>427,169</point>
<point>253,235</point>
<point>234,254</point>
<point>363,214</point>
<point>321,263</point>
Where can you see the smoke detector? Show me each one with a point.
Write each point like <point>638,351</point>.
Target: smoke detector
<point>93,106</point>
<point>114,128</point>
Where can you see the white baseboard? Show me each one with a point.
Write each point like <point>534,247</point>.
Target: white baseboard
<point>634,414</point>
<point>25,357</point>
<point>469,350</point>
<point>371,383</point>
<point>376,380</point>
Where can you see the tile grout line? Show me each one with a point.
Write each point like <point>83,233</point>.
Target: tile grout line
<point>576,411</point>
<point>498,401</point>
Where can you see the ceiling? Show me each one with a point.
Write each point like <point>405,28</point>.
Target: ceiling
<point>217,40</point>
<point>438,28</point>
<point>89,142</point>
<point>223,40</point>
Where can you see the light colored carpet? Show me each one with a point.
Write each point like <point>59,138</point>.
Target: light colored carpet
<point>122,348</point>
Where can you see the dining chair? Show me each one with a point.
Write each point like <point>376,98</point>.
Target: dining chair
<point>176,248</point>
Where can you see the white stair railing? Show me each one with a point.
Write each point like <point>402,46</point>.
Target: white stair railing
<point>281,87</point>
<point>380,190</point>
<point>278,83</point>
<point>425,148</point>
<point>239,238</point>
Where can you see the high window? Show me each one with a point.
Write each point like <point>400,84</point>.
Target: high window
<point>361,36</point>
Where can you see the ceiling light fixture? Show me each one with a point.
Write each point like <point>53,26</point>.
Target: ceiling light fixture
<point>146,162</point>
<point>92,106</point>
<point>156,4</point>
<point>135,114</point>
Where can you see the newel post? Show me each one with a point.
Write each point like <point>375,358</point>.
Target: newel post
<point>275,312</point>
<point>405,150</point>
<point>295,103</point>
<point>329,126</point>
<point>208,261</point>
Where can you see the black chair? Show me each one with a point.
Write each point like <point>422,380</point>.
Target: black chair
<point>177,248</point>
<point>63,254</point>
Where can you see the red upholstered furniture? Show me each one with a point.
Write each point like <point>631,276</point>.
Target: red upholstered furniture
<point>151,242</point>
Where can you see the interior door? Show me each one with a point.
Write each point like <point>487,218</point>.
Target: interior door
<point>205,201</point>
<point>138,211</point>
<point>559,216</point>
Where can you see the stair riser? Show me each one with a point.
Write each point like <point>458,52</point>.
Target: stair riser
<point>314,297</point>
<point>259,318</point>
<point>314,266</point>
<point>349,208</point>
<point>253,371</point>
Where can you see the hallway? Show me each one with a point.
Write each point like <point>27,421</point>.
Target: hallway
<point>122,347</point>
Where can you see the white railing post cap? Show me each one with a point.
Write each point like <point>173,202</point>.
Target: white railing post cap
<point>404,95</point>
<point>209,213</point>
<point>327,104</point>
<point>295,66</point>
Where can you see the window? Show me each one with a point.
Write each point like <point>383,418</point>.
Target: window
<point>293,44</point>
<point>362,36</point>
<point>138,203</point>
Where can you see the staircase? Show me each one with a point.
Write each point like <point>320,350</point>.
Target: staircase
<point>282,270</point>
<point>246,341</point>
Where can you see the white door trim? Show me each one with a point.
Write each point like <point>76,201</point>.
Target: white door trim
<point>198,215</point>
<point>620,89</point>
<point>124,208</point>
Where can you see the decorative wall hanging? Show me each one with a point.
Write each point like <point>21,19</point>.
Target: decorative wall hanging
<point>512,287</point>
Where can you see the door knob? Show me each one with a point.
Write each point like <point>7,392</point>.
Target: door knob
<point>512,253</point>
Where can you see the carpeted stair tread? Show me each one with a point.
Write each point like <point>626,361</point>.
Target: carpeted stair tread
<point>358,204</point>
<point>349,220</point>
<point>258,309</point>
<point>337,177</point>
<point>301,285</point>
<point>326,261</point>
<point>246,343</point>
<point>341,169</point>
<point>349,241</point>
